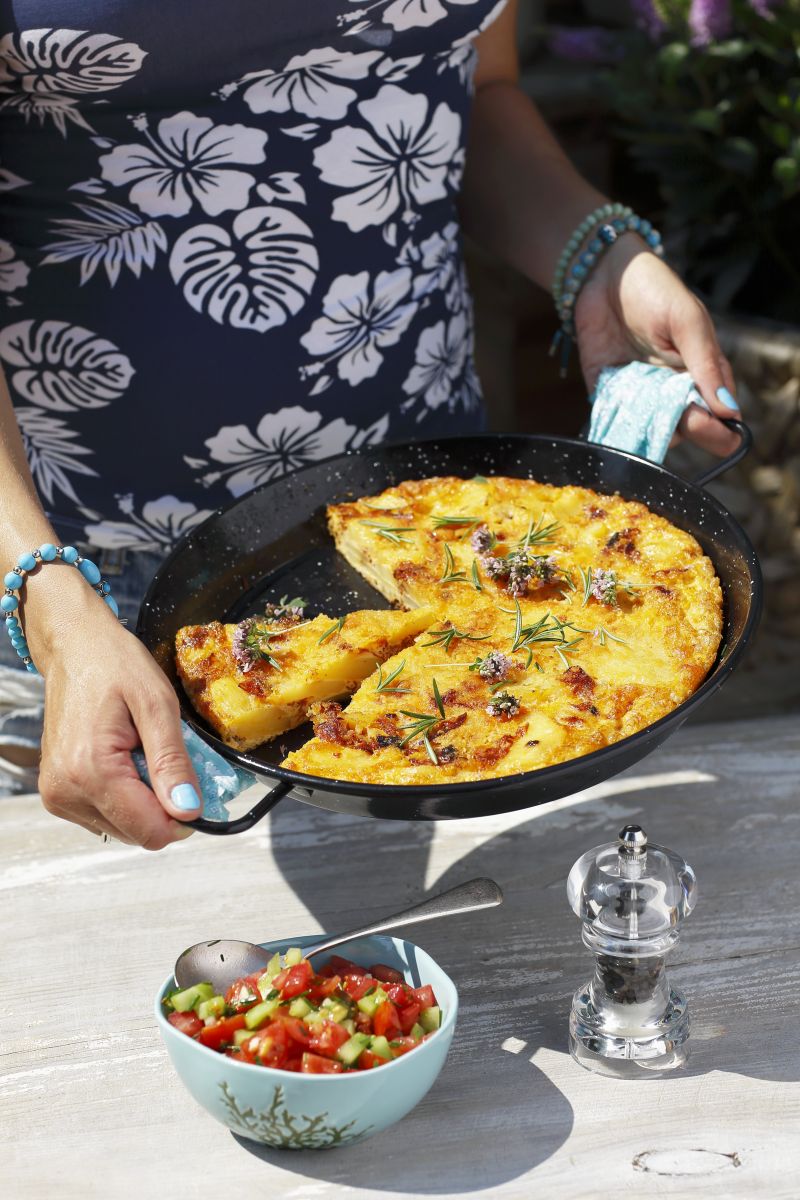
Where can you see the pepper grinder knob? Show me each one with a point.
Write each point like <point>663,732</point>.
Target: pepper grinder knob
<point>631,897</point>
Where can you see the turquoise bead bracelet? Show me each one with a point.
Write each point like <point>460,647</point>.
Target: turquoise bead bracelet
<point>15,580</point>
<point>567,286</point>
<point>605,212</point>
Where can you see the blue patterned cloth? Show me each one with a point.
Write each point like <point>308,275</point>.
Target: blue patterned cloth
<point>220,781</point>
<point>229,244</point>
<point>637,408</point>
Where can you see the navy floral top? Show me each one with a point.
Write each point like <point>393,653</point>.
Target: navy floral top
<point>228,243</point>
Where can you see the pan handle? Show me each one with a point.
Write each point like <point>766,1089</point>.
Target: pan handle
<point>744,447</point>
<point>259,810</point>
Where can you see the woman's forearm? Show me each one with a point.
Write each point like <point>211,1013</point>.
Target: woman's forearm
<point>56,600</point>
<point>522,197</point>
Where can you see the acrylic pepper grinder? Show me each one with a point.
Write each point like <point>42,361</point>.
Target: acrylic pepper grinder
<point>631,897</point>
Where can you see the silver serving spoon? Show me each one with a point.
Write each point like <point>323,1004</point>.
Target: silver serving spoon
<point>221,962</point>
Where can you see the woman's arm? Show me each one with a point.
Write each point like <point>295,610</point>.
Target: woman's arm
<point>522,199</point>
<point>104,694</point>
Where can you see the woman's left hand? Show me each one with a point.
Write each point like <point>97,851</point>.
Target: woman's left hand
<point>635,307</point>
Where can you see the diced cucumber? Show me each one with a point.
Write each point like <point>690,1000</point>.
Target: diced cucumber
<point>430,1018</point>
<point>381,1047</point>
<point>353,1048</point>
<point>265,980</point>
<point>335,1010</point>
<point>293,956</point>
<point>370,1002</point>
<point>417,1032</point>
<point>349,1025</point>
<point>299,1007</point>
<point>314,1017</point>
<point>214,1007</point>
<point>189,997</point>
<point>240,1036</point>
<point>260,1013</point>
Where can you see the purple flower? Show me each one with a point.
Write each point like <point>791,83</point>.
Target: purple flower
<point>242,652</point>
<point>604,586</point>
<point>590,44</point>
<point>482,540</point>
<point>763,8</point>
<point>503,705</point>
<point>495,568</point>
<point>648,18</point>
<point>546,568</point>
<point>709,21</point>
<point>495,667</point>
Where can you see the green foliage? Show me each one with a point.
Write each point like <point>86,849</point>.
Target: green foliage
<point>718,127</point>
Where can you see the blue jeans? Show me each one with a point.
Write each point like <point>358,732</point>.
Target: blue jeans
<point>22,694</point>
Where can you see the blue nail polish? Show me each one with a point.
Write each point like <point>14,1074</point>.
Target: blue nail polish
<point>726,398</point>
<point>184,797</point>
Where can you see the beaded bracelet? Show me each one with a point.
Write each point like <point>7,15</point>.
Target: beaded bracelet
<point>14,581</point>
<point>605,212</point>
<point>566,293</point>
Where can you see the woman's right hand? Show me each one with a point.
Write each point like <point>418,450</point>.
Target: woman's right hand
<point>105,696</point>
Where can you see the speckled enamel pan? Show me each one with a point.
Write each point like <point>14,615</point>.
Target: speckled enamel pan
<point>275,540</point>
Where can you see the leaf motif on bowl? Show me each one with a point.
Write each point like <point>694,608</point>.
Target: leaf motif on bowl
<point>277,1126</point>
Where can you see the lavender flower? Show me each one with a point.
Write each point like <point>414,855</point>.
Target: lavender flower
<point>482,540</point>
<point>546,568</point>
<point>590,44</point>
<point>709,21</point>
<point>648,18</point>
<point>495,667</point>
<point>604,586</point>
<point>763,8</point>
<point>243,652</point>
<point>520,571</point>
<point>495,568</point>
<point>503,705</point>
<point>285,610</point>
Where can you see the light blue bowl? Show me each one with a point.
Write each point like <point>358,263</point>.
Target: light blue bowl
<point>313,1112</point>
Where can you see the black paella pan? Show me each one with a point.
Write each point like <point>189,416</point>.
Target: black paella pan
<point>274,540</point>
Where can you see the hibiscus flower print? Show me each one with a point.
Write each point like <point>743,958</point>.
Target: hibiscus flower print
<point>397,165</point>
<point>402,14</point>
<point>283,441</point>
<point>160,524</point>
<point>439,362</point>
<point>439,267</point>
<point>189,161</point>
<point>313,84</point>
<point>13,273</point>
<point>360,318</point>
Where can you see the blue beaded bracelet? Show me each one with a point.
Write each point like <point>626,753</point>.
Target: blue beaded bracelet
<point>15,580</point>
<point>566,295</point>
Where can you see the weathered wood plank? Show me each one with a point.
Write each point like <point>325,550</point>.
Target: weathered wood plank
<point>91,1107</point>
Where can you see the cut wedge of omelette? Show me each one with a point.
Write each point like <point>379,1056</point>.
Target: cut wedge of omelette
<point>298,663</point>
<point>543,623</point>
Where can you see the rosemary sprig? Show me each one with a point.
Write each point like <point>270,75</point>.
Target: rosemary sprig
<point>538,533</point>
<point>383,684</point>
<point>336,627</point>
<point>476,579</point>
<point>398,534</point>
<point>601,633</point>
<point>420,727</point>
<point>438,697</point>
<point>468,523</point>
<point>258,645</point>
<point>444,637</point>
<point>586,580</point>
<point>547,629</point>
<point>450,574</point>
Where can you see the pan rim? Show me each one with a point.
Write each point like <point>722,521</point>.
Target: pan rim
<point>312,783</point>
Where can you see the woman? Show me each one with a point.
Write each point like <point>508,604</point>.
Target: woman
<point>231,247</point>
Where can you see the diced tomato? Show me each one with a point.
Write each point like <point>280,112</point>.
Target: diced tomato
<point>399,993</point>
<point>385,1022</point>
<point>216,1035</point>
<point>186,1022</point>
<point>315,1064</point>
<point>320,988</point>
<point>280,979</point>
<point>343,966</point>
<point>297,1031</point>
<point>327,1037</point>
<point>363,1022</point>
<point>386,974</point>
<point>402,1045</point>
<point>270,1045</point>
<point>408,1016</point>
<point>425,996</point>
<point>297,980</point>
<point>357,986</point>
<point>243,993</point>
<point>367,1059</point>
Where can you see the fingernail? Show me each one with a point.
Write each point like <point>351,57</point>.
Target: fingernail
<point>725,397</point>
<point>184,797</point>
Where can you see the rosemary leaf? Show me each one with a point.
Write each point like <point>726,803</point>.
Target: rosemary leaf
<point>383,684</point>
<point>438,698</point>
<point>476,579</point>
<point>398,534</point>
<point>336,627</point>
<point>450,574</point>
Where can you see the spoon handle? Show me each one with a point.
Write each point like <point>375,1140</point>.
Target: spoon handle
<point>465,897</point>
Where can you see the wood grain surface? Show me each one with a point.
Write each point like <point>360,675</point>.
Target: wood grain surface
<point>90,1106</point>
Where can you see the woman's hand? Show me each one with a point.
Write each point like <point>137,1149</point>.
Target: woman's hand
<point>635,307</point>
<point>104,696</point>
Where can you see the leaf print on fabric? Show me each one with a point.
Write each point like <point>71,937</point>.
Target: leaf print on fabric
<point>255,277</point>
<point>59,109</point>
<point>400,163</point>
<point>190,160</point>
<point>310,84</point>
<point>63,367</point>
<point>403,14</point>
<point>110,236</point>
<point>13,273</point>
<point>161,523</point>
<point>359,319</point>
<point>51,452</point>
<point>283,441</point>
<point>9,181</point>
<point>440,356</point>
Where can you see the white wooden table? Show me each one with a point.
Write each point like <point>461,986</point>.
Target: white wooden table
<point>90,1107</point>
